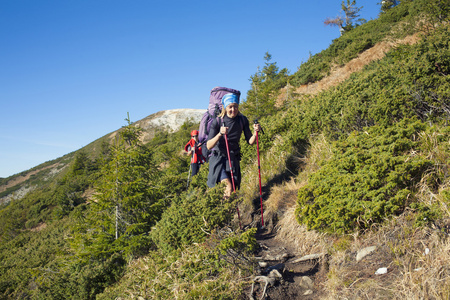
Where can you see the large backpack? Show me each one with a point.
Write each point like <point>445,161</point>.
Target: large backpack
<point>214,109</point>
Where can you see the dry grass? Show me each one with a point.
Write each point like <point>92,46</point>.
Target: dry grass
<point>320,151</point>
<point>39,227</point>
<point>281,203</point>
<point>149,278</point>
<point>418,262</point>
<point>304,241</point>
<point>430,190</point>
<point>282,196</point>
<point>272,164</point>
<point>430,277</point>
<point>26,175</point>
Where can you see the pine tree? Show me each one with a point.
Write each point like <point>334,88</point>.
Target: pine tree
<point>261,99</point>
<point>349,20</point>
<point>126,202</point>
<point>351,12</point>
<point>388,4</point>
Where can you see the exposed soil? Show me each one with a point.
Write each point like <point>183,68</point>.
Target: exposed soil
<point>341,73</point>
<point>298,275</point>
<point>22,178</point>
<point>298,278</point>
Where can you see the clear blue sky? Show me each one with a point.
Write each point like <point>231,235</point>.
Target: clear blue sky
<point>70,70</point>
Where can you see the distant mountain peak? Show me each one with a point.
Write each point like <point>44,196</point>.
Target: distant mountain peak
<point>171,119</point>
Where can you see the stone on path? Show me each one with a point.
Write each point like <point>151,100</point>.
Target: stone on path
<point>364,252</point>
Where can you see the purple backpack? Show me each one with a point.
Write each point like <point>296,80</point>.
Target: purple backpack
<point>214,109</point>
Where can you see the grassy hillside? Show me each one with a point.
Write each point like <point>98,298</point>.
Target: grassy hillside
<point>363,163</point>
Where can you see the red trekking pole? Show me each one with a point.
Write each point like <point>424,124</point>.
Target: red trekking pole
<point>232,176</point>
<point>259,172</point>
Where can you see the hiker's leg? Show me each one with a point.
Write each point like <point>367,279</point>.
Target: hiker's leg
<point>194,169</point>
<point>228,188</point>
<point>225,178</point>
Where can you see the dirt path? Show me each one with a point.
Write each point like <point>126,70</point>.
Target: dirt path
<point>299,275</point>
<point>285,270</point>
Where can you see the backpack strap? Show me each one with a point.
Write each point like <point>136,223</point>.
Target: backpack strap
<point>206,125</point>
<point>217,110</point>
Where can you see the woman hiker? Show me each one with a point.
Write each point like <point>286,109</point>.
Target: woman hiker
<point>193,148</point>
<point>230,124</point>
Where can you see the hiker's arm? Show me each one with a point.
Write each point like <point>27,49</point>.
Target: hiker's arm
<point>212,142</point>
<point>252,140</point>
<point>188,151</point>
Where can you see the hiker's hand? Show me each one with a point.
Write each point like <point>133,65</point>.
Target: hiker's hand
<point>256,127</point>
<point>211,143</point>
<point>223,130</point>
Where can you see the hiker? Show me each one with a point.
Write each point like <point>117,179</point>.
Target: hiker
<point>230,123</point>
<point>193,148</point>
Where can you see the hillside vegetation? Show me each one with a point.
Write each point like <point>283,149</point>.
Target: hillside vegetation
<point>363,163</point>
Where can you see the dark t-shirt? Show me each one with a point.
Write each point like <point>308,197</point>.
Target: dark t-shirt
<point>235,127</point>
<point>219,161</point>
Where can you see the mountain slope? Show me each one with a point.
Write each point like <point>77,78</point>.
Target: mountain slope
<point>341,73</point>
<point>355,191</point>
<point>17,186</point>
<point>401,256</point>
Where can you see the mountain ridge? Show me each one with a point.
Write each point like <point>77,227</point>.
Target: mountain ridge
<point>170,120</point>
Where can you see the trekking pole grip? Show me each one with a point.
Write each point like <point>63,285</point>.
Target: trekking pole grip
<point>256,122</point>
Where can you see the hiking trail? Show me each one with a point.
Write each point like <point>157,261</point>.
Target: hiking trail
<point>284,272</point>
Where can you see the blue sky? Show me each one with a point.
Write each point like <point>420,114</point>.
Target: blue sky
<point>71,70</point>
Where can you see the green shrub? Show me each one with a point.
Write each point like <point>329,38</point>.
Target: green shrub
<point>190,216</point>
<point>77,281</point>
<point>237,248</point>
<point>370,177</point>
<point>426,214</point>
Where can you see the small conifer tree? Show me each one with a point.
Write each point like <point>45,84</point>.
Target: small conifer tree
<point>126,202</point>
<point>350,18</point>
<point>261,99</point>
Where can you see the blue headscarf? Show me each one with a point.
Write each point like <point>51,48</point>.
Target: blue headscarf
<point>227,99</point>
